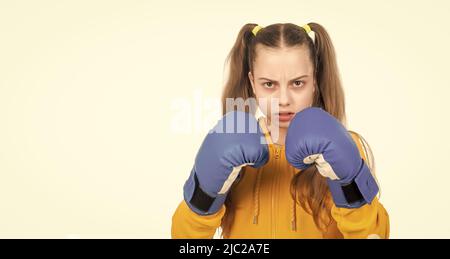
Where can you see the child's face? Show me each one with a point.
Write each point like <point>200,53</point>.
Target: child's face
<point>285,74</point>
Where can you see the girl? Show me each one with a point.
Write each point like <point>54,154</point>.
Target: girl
<point>310,181</point>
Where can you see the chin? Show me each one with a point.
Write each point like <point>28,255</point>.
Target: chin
<point>284,125</point>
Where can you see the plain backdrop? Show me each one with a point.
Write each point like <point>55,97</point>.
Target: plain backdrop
<point>92,92</point>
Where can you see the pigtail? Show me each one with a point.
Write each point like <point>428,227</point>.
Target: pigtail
<point>238,83</point>
<point>331,93</point>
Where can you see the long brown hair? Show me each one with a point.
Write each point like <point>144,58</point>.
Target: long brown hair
<point>309,188</point>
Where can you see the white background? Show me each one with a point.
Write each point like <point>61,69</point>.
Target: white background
<point>87,144</point>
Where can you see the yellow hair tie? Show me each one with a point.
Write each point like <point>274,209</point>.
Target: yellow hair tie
<point>307,28</point>
<point>256,29</point>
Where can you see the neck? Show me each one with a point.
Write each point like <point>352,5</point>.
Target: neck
<point>282,131</point>
<point>281,136</point>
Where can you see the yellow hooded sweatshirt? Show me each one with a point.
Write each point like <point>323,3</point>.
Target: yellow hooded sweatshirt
<point>264,208</point>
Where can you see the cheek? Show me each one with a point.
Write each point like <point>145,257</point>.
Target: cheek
<point>302,99</point>
<point>263,97</point>
<point>262,92</point>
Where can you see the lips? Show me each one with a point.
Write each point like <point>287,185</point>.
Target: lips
<point>285,116</point>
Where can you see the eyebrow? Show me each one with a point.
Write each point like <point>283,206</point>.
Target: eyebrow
<point>268,79</point>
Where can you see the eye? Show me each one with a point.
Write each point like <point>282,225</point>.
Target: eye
<point>298,83</point>
<point>268,85</point>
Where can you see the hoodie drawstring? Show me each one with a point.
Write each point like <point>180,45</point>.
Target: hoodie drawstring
<point>256,187</point>
<point>256,201</point>
<point>257,184</point>
<point>256,198</point>
<point>294,208</point>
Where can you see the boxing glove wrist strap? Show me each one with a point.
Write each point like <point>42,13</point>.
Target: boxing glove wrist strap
<point>358,192</point>
<point>200,201</point>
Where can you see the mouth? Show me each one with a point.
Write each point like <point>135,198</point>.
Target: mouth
<point>284,116</point>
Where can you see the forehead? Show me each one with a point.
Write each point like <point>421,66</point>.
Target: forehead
<point>276,61</point>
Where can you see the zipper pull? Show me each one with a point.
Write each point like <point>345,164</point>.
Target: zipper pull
<point>277,152</point>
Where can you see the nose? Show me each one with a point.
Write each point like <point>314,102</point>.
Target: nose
<point>284,97</point>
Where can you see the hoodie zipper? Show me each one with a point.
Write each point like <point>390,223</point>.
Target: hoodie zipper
<point>274,191</point>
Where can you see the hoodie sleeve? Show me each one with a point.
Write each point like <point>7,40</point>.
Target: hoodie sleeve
<point>188,224</point>
<point>368,221</point>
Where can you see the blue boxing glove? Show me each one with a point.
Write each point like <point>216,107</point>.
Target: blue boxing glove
<point>315,137</point>
<point>236,141</point>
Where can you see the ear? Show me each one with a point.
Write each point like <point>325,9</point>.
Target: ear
<point>250,76</point>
